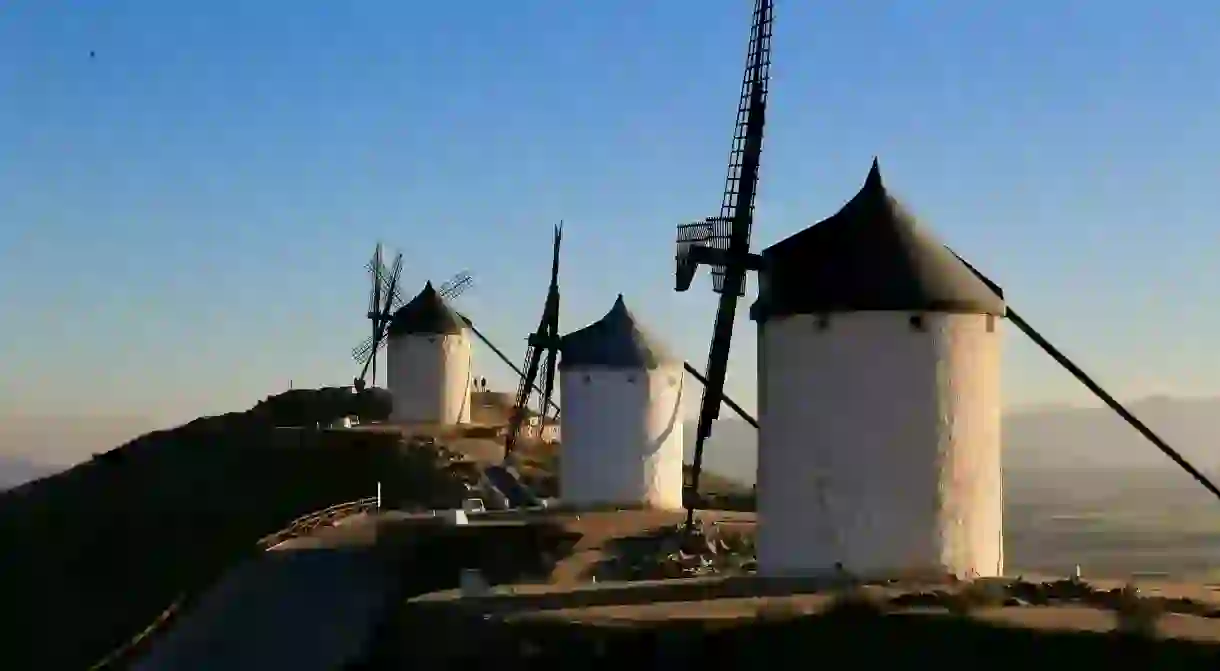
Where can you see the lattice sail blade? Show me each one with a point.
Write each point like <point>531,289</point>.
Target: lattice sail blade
<point>548,384</point>
<point>390,290</point>
<point>456,285</point>
<point>689,236</point>
<point>375,268</point>
<point>363,350</point>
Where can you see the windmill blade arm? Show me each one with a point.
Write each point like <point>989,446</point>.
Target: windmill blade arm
<point>724,397</point>
<point>713,386</point>
<point>1082,377</point>
<point>390,290</point>
<point>364,349</point>
<point>521,405</point>
<point>548,381</point>
<point>364,370</point>
<point>376,270</point>
<point>508,362</point>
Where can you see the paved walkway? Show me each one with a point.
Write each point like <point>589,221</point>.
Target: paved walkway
<point>308,603</point>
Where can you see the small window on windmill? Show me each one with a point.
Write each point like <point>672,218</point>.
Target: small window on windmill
<point>821,322</point>
<point>991,323</point>
<point>916,322</point>
<point>586,378</point>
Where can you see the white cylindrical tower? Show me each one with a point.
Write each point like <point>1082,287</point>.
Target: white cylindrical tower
<point>621,426</point>
<point>879,401</point>
<point>428,367</point>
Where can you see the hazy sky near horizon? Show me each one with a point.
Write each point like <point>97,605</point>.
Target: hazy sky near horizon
<point>185,215</point>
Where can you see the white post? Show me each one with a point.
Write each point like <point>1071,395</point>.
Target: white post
<point>378,495</point>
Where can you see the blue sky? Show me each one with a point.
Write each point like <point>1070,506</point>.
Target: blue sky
<point>184,217</point>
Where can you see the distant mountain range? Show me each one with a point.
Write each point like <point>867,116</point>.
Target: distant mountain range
<point>1046,437</point>
<point>34,447</point>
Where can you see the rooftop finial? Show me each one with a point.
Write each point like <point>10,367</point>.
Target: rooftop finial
<point>874,176</point>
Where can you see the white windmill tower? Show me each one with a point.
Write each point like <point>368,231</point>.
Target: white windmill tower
<point>428,362</point>
<point>879,388</point>
<point>622,416</point>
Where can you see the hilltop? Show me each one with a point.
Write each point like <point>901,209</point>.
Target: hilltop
<point>96,552</point>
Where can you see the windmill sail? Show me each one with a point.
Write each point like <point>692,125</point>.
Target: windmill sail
<point>724,241</point>
<point>545,338</point>
<point>384,297</point>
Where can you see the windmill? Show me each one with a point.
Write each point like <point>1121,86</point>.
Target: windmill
<point>450,290</point>
<point>384,298</point>
<point>723,242</point>
<point>544,340</point>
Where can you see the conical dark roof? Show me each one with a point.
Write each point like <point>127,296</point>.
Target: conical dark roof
<point>426,314</point>
<point>870,255</point>
<point>614,341</point>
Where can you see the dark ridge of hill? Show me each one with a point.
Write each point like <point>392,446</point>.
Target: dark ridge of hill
<point>91,555</point>
<point>306,407</point>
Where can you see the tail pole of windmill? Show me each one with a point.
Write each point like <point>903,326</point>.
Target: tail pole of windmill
<point>1097,390</point>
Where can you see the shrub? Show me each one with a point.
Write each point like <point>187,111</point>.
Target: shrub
<point>1135,615</point>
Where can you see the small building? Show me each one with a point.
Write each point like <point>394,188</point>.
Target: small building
<point>543,430</point>
<point>491,408</point>
<point>428,362</point>
<point>879,400</point>
<point>622,416</point>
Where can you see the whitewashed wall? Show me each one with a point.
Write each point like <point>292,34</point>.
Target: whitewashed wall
<point>879,445</point>
<point>622,436</point>
<point>429,378</point>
